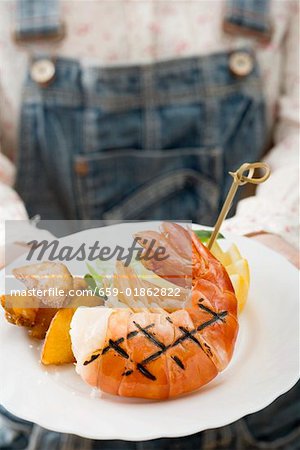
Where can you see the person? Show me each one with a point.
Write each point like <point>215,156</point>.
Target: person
<point>138,110</point>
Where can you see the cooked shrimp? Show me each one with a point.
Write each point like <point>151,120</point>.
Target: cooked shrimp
<point>162,354</point>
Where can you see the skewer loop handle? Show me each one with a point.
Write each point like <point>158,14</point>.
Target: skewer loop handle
<point>239,179</point>
<point>242,179</point>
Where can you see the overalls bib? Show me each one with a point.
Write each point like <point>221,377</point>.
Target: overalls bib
<point>143,142</point>
<point>135,143</point>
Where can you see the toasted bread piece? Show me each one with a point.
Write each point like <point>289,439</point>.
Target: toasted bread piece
<point>19,310</point>
<point>50,278</point>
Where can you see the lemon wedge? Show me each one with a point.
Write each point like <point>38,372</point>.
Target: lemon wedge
<point>234,253</point>
<point>222,256</point>
<point>237,268</point>
<point>241,267</point>
<point>241,288</point>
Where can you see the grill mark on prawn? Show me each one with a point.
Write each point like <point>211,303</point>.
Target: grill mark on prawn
<point>219,316</point>
<point>113,344</point>
<point>118,349</point>
<point>145,372</point>
<point>99,352</point>
<point>92,358</point>
<point>130,335</point>
<point>187,335</point>
<point>135,332</point>
<point>178,362</point>
<point>153,356</point>
<point>150,336</point>
<point>210,311</point>
<point>117,342</point>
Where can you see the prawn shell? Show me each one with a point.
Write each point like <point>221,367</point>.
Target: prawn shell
<point>147,379</point>
<point>189,366</point>
<point>112,360</point>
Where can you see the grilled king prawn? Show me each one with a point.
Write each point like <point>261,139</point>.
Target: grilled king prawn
<point>162,353</point>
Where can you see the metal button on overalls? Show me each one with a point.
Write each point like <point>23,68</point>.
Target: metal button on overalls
<point>42,71</point>
<point>241,63</point>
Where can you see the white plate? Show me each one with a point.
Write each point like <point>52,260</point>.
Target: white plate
<point>264,366</point>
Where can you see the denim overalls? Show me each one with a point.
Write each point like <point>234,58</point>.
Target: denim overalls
<point>143,142</point>
<point>140,142</point>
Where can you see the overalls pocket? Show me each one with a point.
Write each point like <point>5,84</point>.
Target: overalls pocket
<point>121,185</point>
<point>153,142</point>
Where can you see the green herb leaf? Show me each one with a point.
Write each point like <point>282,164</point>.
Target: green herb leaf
<point>93,285</point>
<point>90,281</point>
<point>94,273</point>
<point>204,235</point>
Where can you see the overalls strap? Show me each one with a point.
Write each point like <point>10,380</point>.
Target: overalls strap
<point>38,20</point>
<point>249,18</point>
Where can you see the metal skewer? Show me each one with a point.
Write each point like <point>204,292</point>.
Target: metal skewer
<point>239,179</point>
